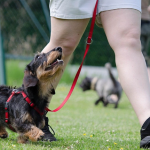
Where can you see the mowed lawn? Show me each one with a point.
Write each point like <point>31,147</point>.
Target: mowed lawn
<point>80,125</point>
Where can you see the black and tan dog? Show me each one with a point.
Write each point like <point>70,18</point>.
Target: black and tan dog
<point>26,118</point>
<point>109,90</point>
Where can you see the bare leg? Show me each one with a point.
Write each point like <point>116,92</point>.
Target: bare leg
<point>66,34</point>
<point>148,69</point>
<point>122,28</point>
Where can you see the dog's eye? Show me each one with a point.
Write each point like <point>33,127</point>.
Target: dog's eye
<point>38,56</point>
<point>32,73</point>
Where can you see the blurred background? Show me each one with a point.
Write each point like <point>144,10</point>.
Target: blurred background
<point>25,30</point>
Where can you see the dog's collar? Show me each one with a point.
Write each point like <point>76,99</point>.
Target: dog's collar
<point>15,91</point>
<point>93,83</point>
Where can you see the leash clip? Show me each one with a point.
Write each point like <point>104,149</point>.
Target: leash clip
<point>6,106</point>
<point>15,90</point>
<point>89,40</point>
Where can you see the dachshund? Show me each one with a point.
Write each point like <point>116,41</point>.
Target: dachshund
<point>22,109</point>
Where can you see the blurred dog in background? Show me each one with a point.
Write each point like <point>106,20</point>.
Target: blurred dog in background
<point>109,90</point>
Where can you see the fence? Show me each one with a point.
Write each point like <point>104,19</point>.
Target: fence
<point>2,61</point>
<point>25,29</point>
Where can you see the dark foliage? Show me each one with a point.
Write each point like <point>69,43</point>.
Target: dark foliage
<point>21,36</point>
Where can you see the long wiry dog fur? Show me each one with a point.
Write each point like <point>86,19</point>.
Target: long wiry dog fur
<point>39,76</point>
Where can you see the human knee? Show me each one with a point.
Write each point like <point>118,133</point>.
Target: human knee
<point>69,46</point>
<point>126,39</point>
<point>133,39</point>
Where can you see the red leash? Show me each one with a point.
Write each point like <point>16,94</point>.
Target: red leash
<point>89,41</point>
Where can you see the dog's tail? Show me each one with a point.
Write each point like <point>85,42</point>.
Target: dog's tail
<point>108,66</point>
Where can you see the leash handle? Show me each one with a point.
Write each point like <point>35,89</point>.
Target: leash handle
<point>89,41</point>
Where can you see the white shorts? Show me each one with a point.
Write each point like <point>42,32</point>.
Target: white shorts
<point>80,9</point>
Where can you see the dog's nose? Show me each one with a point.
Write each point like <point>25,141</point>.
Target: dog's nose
<point>58,49</point>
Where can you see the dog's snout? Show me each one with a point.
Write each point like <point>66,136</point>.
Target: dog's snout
<point>58,49</point>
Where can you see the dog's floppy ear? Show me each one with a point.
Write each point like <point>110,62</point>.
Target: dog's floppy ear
<point>29,79</point>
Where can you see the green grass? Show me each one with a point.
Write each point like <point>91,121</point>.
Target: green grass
<point>14,72</point>
<point>80,125</point>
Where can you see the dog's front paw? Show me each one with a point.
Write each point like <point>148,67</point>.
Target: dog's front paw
<point>34,134</point>
<point>40,136</point>
<point>105,104</point>
<point>96,103</point>
<point>3,133</point>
